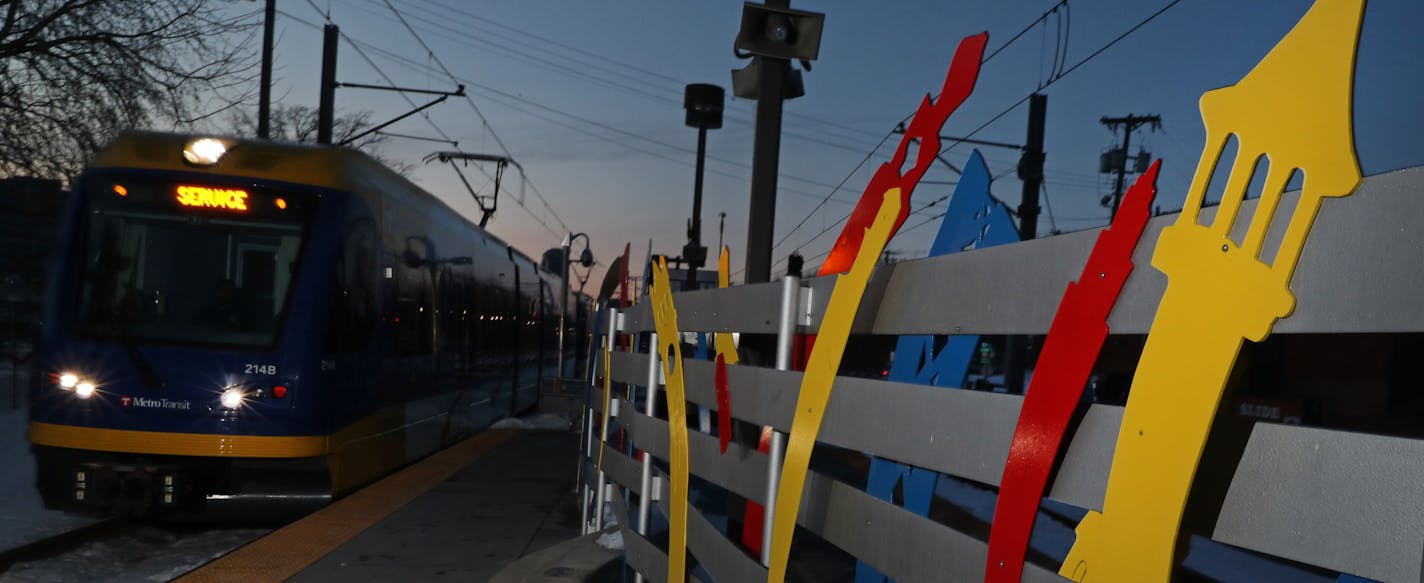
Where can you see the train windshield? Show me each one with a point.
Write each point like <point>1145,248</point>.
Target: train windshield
<point>198,263</point>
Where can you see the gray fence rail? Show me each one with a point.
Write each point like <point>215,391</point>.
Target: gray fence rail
<point>1350,502</point>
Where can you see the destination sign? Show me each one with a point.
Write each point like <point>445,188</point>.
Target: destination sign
<point>218,198</point>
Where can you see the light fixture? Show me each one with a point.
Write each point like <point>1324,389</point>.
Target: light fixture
<point>205,151</point>
<point>84,390</point>
<point>232,398</point>
<point>68,380</point>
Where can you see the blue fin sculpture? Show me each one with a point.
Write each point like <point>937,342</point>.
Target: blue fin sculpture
<point>974,220</point>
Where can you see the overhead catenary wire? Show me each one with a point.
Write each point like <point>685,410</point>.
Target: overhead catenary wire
<point>621,66</point>
<point>1041,18</point>
<point>508,99</point>
<point>433,57</point>
<point>1053,79</point>
<point>357,46</point>
<point>670,96</point>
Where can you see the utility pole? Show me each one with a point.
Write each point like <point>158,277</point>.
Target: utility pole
<point>1031,167</point>
<point>774,34</point>
<point>1031,173</point>
<point>1131,123</point>
<point>264,98</point>
<point>327,103</point>
<point>766,163</point>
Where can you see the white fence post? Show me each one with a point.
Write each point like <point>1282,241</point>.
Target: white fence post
<point>785,337</point>
<point>603,430</point>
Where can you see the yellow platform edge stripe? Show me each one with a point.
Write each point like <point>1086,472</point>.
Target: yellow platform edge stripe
<point>291,549</point>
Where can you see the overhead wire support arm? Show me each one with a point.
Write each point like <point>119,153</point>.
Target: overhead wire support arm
<point>453,143</point>
<point>396,119</point>
<point>486,211</point>
<point>458,92</point>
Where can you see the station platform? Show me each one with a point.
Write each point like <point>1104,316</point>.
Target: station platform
<point>497,506</point>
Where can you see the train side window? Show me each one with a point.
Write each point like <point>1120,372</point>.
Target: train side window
<point>353,302</point>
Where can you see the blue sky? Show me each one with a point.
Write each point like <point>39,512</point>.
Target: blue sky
<point>587,96</point>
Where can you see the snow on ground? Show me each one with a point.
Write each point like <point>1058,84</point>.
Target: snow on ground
<point>145,554</point>
<point>541,421</point>
<point>23,518</point>
<point>611,539</point>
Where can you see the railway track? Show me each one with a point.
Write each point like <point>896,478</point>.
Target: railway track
<point>63,542</point>
<point>119,549</point>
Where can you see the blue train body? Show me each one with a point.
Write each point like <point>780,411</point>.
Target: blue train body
<point>271,330</point>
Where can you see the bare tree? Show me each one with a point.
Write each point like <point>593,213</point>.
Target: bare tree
<point>297,123</point>
<point>75,72</point>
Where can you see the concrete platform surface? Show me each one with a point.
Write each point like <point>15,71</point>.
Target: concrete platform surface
<point>514,500</point>
<point>462,514</point>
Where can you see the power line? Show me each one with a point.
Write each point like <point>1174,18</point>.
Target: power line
<point>357,45</point>
<point>444,30</point>
<point>505,98</point>
<point>521,34</point>
<point>1053,79</point>
<point>491,131</point>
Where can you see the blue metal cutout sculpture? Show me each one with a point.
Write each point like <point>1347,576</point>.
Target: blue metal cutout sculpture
<point>974,220</point>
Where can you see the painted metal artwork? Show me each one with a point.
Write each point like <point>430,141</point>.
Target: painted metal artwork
<point>820,376</point>
<point>973,220</point>
<point>1074,340</point>
<point>726,354</point>
<point>866,233</point>
<point>670,352</point>
<point>1294,108</point>
<point>923,131</point>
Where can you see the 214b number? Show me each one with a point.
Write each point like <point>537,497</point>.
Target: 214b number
<point>260,368</point>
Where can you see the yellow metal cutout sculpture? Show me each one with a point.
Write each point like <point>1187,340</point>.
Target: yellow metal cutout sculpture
<point>821,370</point>
<point>670,349</point>
<point>726,348</point>
<point>1294,108</point>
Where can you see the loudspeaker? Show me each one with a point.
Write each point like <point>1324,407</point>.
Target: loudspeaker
<point>781,33</point>
<point>747,85</point>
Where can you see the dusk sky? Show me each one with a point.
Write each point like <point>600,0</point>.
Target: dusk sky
<point>587,97</point>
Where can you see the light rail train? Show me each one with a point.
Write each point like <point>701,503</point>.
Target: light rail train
<point>239,328</point>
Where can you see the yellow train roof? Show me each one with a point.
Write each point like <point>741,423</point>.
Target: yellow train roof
<point>316,165</point>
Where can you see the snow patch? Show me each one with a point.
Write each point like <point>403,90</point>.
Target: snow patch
<point>540,422</point>
<point>611,540</point>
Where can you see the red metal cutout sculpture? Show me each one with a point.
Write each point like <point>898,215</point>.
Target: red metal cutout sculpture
<point>924,129</point>
<point>724,405</point>
<point>1074,341</point>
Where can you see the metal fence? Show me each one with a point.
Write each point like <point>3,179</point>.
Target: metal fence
<point>1341,501</point>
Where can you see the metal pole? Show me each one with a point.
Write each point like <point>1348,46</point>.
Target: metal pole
<point>264,97</point>
<point>563,310</point>
<point>1031,168</point>
<point>785,335</point>
<point>766,153</point>
<point>587,458</point>
<point>327,102</point>
<point>645,500</point>
<point>1122,165</point>
<point>695,232</point>
<point>603,431</point>
<point>1031,172</point>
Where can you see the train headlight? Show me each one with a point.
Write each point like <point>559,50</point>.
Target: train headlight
<point>204,151</point>
<point>84,390</point>
<point>68,380</point>
<point>232,398</point>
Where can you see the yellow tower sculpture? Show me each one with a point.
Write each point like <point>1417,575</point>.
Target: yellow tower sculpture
<point>1294,109</point>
